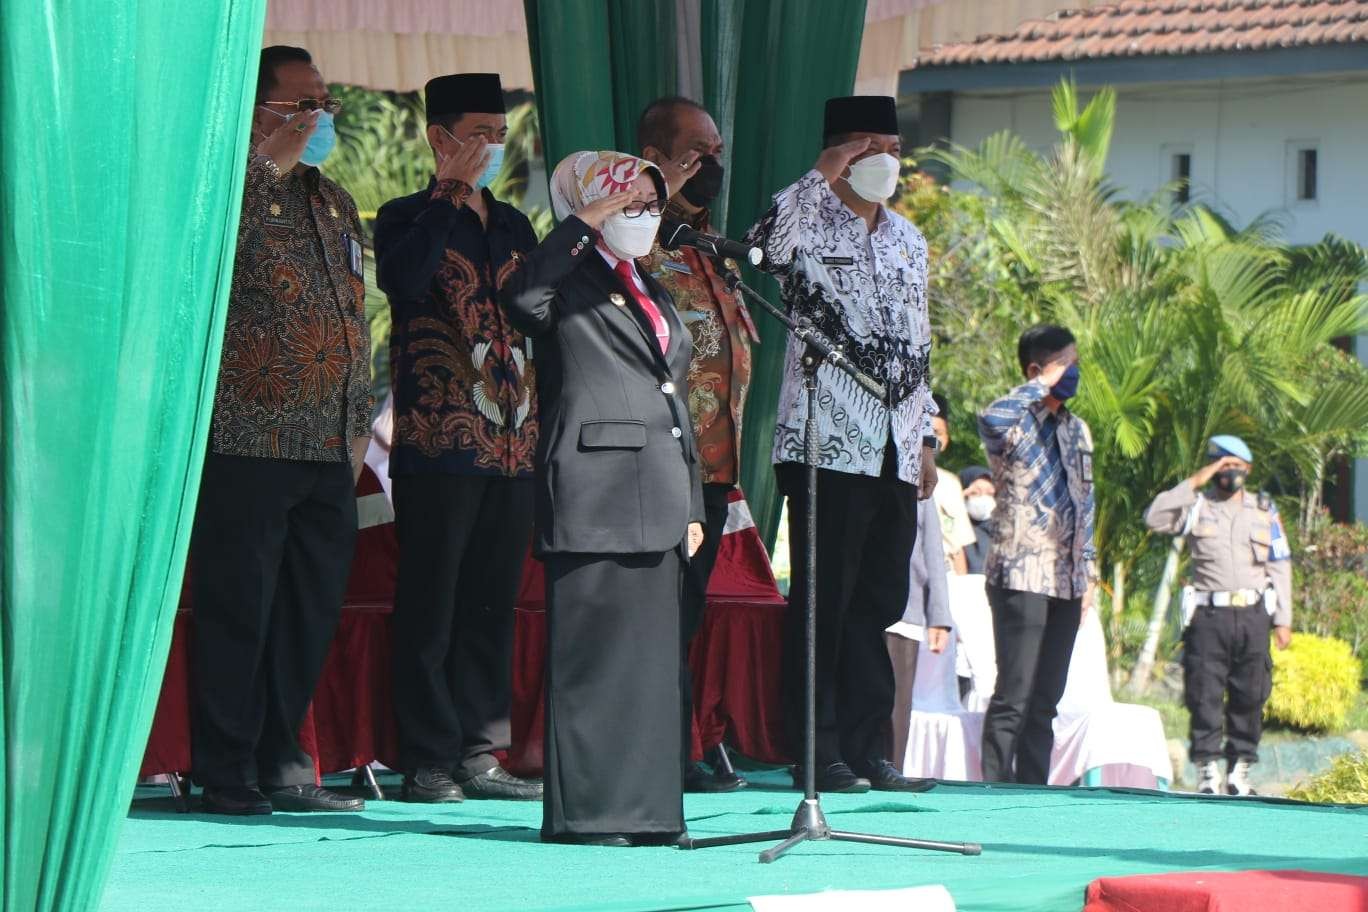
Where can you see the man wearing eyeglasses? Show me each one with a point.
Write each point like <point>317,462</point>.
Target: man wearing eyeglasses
<point>276,519</point>
<point>465,432</point>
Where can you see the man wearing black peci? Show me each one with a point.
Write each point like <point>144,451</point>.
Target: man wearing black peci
<point>464,433</point>
<point>858,271</point>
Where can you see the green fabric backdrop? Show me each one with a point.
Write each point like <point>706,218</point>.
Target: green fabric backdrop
<point>768,66</point>
<point>122,135</point>
<point>795,54</point>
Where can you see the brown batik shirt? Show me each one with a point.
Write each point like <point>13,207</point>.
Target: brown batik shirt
<point>722,330</point>
<point>294,379</point>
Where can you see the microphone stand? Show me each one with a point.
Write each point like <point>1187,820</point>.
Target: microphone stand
<point>809,823</point>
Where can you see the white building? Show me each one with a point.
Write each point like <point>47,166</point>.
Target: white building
<point>1261,104</point>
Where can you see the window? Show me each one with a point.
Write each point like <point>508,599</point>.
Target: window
<point>1180,174</point>
<point>1303,172</point>
<point>1306,174</point>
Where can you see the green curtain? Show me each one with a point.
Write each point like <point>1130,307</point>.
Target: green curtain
<point>794,55</point>
<point>768,66</point>
<point>123,130</point>
<point>720,27</point>
<point>596,65</point>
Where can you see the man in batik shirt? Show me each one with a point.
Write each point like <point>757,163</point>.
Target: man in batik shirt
<point>1040,566</point>
<point>464,433</point>
<point>857,270</point>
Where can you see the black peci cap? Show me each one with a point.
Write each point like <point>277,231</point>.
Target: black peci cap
<point>463,93</point>
<point>861,114</point>
<point>972,474</point>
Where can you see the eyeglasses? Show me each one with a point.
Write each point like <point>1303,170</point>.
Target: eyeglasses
<point>331,105</point>
<point>636,210</point>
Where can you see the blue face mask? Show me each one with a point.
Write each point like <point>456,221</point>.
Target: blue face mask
<point>321,143</point>
<point>1067,387</point>
<point>496,157</point>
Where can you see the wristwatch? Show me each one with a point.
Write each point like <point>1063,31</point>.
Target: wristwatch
<point>932,443</point>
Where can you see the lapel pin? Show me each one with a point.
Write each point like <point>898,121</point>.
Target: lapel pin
<point>618,299</point>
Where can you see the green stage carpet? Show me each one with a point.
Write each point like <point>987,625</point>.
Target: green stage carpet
<point>1041,847</point>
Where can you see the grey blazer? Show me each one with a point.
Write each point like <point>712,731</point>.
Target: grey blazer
<point>928,600</point>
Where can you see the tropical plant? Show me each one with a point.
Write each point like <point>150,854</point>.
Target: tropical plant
<point>1330,579</point>
<point>1315,683</point>
<point>382,151</point>
<point>1187,327</point>
<point>1345,782</point>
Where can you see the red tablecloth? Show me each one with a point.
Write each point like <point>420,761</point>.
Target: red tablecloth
<point>1229,891</point>
<point>735,661</point>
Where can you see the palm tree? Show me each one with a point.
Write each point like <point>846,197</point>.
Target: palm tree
<point>1186,327</point>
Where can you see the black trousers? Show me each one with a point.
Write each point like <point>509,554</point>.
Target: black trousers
<point>462,542</point>
<point>1034,638</point>
<point>696,589</point>
<point>866,529</point>
<point>271,548</point>
<point>614,748</point>
<point>1227,671</point>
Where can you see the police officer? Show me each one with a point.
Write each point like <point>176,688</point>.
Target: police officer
<point>1241,584</point>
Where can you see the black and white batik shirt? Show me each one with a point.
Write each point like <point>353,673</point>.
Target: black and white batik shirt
<point>867,292</point>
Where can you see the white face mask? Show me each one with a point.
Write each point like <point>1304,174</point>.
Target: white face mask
<point>630,238</point>
<point>874,178</point>
<point>980,507</point>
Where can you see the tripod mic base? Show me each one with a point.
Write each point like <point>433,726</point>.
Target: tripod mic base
<point>809,824</point>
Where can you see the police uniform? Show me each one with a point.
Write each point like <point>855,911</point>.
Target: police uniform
<point>1241,588</point>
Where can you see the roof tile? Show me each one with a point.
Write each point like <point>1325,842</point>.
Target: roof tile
<point>1154,27</point>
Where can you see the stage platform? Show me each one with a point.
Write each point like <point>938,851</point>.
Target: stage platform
<point>1041,848</point>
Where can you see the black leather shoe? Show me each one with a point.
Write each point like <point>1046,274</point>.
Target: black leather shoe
<point>498,782</point>
<point>431,785</point>
<point>836,778</point>
<point>313,798</point>
<point>698,778</point>
<point>602,840</point>
<point>240,801</point>
<point>884,777</point>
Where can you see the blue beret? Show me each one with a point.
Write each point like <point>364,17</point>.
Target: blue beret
<point>1229,445</point>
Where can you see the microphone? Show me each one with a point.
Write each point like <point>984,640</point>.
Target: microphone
<point>675,234</point>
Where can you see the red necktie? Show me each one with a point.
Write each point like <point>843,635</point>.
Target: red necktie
<point>643,300</point>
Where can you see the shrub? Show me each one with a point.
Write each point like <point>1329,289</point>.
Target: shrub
<point>1315,683</point>
<point>1345,782</point>
<point>1330,581</point>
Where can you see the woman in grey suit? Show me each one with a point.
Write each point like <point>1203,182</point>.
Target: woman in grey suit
<point>619,505</point>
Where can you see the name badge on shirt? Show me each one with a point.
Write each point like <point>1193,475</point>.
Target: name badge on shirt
<point>838,261</point>
<point>681,268</point>
<point>1085,463</point>
<point>355,258</point>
